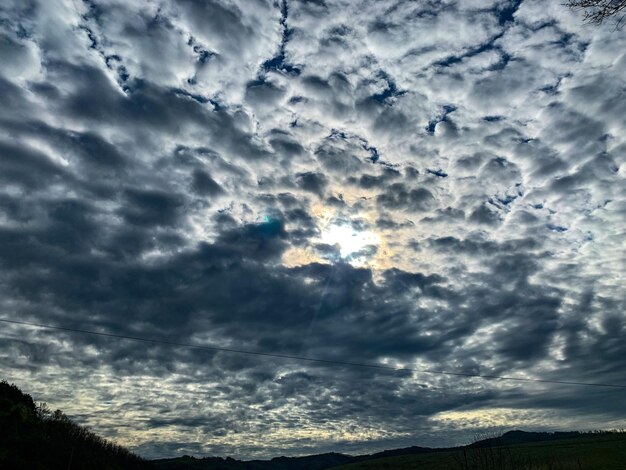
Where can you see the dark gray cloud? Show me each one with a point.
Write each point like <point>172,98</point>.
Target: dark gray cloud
<point>398,196</point>
<point>431,185</point>
<point>312,182</point>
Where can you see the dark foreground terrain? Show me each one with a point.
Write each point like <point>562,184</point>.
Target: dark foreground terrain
<point>514,450</point>
<point>584,452</point>
<point>32,437</point>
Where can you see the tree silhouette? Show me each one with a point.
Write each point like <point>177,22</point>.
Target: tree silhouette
<point>598,11</point>
<point>33,437</point>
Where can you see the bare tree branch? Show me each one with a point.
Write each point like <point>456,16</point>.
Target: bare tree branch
<point>598,11</point>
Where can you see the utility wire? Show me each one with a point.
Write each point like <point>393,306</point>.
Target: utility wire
<point>311,359</point>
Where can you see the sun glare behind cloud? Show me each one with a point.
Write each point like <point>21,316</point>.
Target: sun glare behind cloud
<point>349,240</point>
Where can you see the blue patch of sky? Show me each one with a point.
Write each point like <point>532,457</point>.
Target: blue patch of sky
<point>551,89</point>
<point>279,62</point>
<point>196,97</point>
<point>505,15</point>
<point>455,59</point>
<point>502,63</point>
<point>391,91</point>
<point>91,36</point>
<point>556,228</point>
<point>501,161</point>
<point>503,202</point>
<point>337,134</point>
<point>496,203</point>
<point>507,12</point>
<point>112,61</point>
<point>440,173</point>
<point>373,151</point>
<point>297,99</point>
<point>484,47</point>
<point>374,155</point>
<point>94,10</point>
<point>203,55</point>
<point>442,117</point>
<point>508,199</point>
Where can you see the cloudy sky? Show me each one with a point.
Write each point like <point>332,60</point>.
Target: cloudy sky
<point>429,185</point>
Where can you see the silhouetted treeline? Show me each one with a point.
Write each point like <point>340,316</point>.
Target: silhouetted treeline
<point>32,437</point>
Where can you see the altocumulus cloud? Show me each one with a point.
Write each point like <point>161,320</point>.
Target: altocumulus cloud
<point>173,170</point>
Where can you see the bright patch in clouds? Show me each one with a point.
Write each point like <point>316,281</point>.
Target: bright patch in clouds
<point>349,240</point>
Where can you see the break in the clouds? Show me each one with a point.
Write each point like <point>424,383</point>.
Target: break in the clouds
<point>432,185</point>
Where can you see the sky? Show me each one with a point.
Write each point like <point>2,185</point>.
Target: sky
<point>426,185</point>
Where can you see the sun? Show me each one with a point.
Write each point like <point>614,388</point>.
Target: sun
<point>348,239</point>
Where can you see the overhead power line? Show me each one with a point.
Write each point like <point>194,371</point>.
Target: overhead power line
<point>310,359</point>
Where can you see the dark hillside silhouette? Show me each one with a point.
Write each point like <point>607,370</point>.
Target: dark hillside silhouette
<point>32,437</point>
<point>514,450</point>
<point>311,462</point>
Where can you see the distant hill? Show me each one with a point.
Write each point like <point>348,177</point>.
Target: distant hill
<point>33,438</point>
<point>311,462</point>
<point>513,450</point>
<point>414,450</point>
